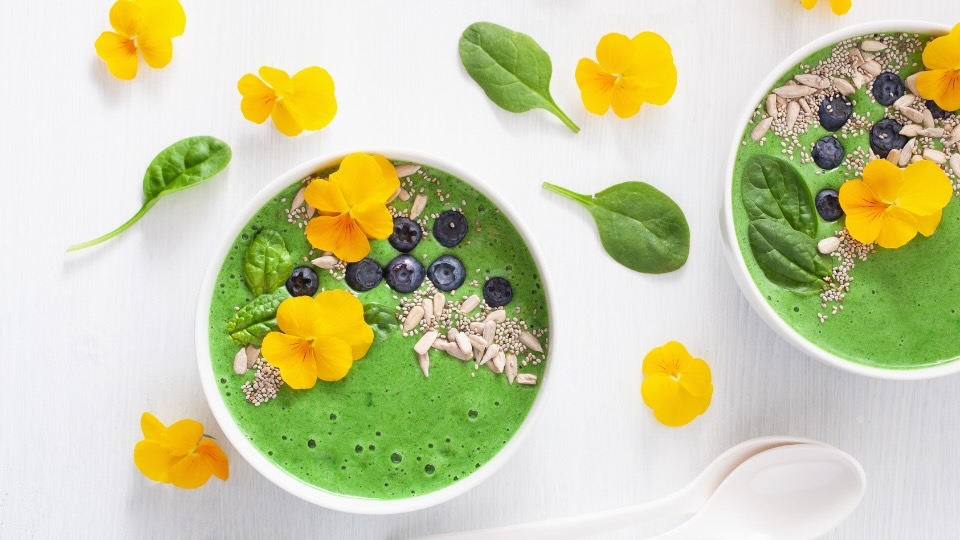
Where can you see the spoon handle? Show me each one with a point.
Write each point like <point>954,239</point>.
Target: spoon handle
<point>586,525</point>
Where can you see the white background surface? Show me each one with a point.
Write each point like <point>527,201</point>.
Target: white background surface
<point>92,340</point>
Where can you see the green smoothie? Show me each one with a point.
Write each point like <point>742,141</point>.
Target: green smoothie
<point>386,430</point>
<point>903,307</point>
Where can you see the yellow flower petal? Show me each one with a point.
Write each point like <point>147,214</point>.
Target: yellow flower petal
<point>942,86</point>
<point>808,4</point>
<point>625,103</point>
<point>696,379</point>
<point>374,219</point>
<point>120,54</point>
<point>389,172</point>
<point>596,86</point>
<point>864,211</point>
<point>216,460</point>
<point>293,356</point>
<point>899,227</point>
<point>190,472</point>
<point>258,98</point>
<point>344,321</point>
<point>840,7</point>
<point>665,359</point>
<point>616,53</point>
<point>157,49</point>
<point>163,17</point>
<point>676,386</point>
<point>926,188</point>
<point>182,436</point>
<point>883,178</point>
<point>298,316</point>
<point>312,102</point>
<point>126,17</point>
<point>357,175</point>
<point>326,198</point>
<point>277,78</point>
<point>334,358</point>
<point>153,459</point>
<point>284,120</point>
<point>926,225</point>
<point>339,234</point>
<point>151,427</point>
<point>943,52</point>
<point>654,70</point>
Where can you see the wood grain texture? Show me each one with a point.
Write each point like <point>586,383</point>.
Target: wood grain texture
<point>92,339</point>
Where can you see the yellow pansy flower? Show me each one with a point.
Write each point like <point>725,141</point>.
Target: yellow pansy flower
<point>352,205</point>
<point>179,454</point>
<point>144,26</point>
<point>839,7</point>
<point>942,82</point>
<point>890,205</point>
<point>319,338</point>
<point>304,101</point>
<point>629,73</point>
<point>676,386</point>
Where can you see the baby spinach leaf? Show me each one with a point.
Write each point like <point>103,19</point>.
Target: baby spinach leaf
<point>511,68</point>
<point>380,318</point>
<point>181,165</point>
<point>787,257</point>
<point>256,319</point>
<point>266,264</point>
<point>772,188</point>
<point>639,226</point>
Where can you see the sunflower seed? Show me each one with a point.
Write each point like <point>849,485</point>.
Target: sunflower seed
<point>511,368</point>
<point>325,262</point>
<point>530,341</point>
<point>492,351</point>
<point>413,318</point>
<point>858,79</point>
<point>804,106</point>
<point>935,132</point>
<point>427,310</point>
<point>954,136</point>
<point>240,362</point>
<point>911,83</point>
<point>905,100</point>
<point>476,327</point>
<point>955,165</point>
<point>424,360</point>
<point>440,344</point>
<point>915,159</point>
<point>407,169</point>
<point>894,156</point>
<point>252,354</point>
<point>828,245</point>
<point>452,334</point>
<point>426,341</point>
<point>477,341</point>
<point>310,211</point>
<point>793,112</point>
<point>497,316</point>
<point>394,196</point>
<point>489,331</point>
<point>872,67</point>
<point>856,58</point>
<point>455,351</point>
<point>772,105</point>
<point>844,87</point>
<point>781,102</point>
<point>913,115</point>
<point>419,203</point>
<point>935,156</point>
<point>297,199</point>
<point>794,91</point>
<point>497,364</point>
<point>470,304</point>
<point>404,195</point>
<point>761,128</point>
<point>813,81</point>
<point>927,118</point>
<point>910,130</point>
<point>464,342</point>
<point>526,378</point>
<point>906,153</point>
<point>439,302</point>
<point>872,45</point>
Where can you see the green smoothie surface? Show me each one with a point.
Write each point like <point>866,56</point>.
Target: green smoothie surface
<point>386,431</point>
<point>903,307</point>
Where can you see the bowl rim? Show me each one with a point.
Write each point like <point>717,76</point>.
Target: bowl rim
<point>734,256</point>
<point>285,480</point>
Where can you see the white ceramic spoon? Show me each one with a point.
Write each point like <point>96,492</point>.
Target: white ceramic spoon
<point>690,499</point>
<point>796,492</point>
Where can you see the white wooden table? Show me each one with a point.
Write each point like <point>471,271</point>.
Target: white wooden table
<point>91,340</point>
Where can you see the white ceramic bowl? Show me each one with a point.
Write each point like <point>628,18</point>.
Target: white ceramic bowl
<point>735,257</point>
<point>253,456</point>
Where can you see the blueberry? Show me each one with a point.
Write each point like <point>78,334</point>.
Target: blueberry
<point>936,111</point>
<point>827,153</point>
<point>363,275</point>
<point>828,205</point>
<point>497,292</point>
<point>447,273</point>
<point>885,136</point>
<point>406,234</point>
<point>303,282</point>
<point>450,228</point>
<point>404,273</point>
<point>887,88</point>
<point>835,112</point>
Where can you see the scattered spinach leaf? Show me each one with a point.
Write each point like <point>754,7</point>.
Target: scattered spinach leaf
<point>266,264</point>
<point>256,319</point>
<point>511,68</point>
<point>181,165</point>
<point>639,226</point>
<point>788,258</point>
<point>772,188</point>
<point>380,318</point>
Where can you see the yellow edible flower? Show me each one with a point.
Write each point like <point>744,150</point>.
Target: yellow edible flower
<point>147,26</point>
<point>319,338</point>
<point>839,7</point>
<point>179,454</point>
<point>304,101</point>
<point>353,206</point>
<point>676,386</point>
<point>890,205</point>
<point>630,72</point>
<point>942,82</point>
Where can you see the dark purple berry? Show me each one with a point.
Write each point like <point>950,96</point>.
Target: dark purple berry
<point>885,136</point>
<point>827,153</point>
<point>363,275</point>
<point>404,273</point>
<point>447,273</point>
<point>450,228</point>
<point>406,234</point>
<point>888,88</point>
<point>303,282</point>
<point>497,292</point>
<point>834,112</point>
<point>828,205</point>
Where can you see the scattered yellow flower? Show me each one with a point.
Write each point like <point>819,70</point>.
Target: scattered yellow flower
<point>942,82</point>
<point>890,205</point>
<point>630,72</point>
<point>304,101</point>
<point>179,454</point>
<point>147,26</point>
<point>319,338</point>
<point>676,386</point>
<point>353,206</point>
<point>839,7</point>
